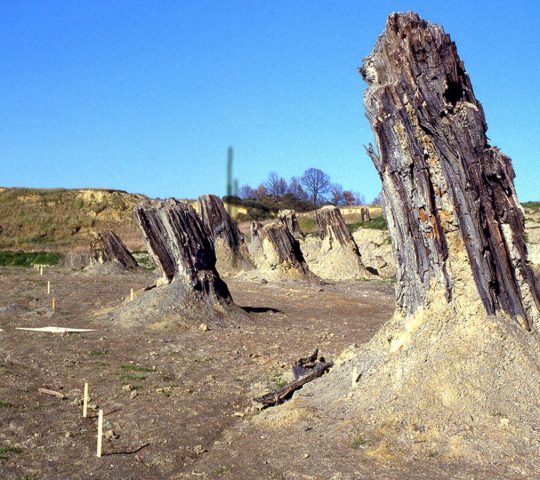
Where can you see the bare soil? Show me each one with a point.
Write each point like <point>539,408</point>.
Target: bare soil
<point>192,413</point>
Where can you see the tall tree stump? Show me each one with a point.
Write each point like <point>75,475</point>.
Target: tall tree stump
<point>276,252</point>
<point>190,290</point>
<point>456,368</point>
<point>231,250</point>
<point>335,255</point>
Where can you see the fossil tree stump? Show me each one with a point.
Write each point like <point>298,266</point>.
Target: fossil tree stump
<point>463,346</point>
<point>365,216</point>
<point>335,256</point>
<point>190,288</point>
<point>108,248</point>
<point>288,217</point>
<point>231,251</point>
<point>445,189</point>
<point>276,252</point>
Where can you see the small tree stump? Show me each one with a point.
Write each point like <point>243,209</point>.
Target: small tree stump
<point>231,251</point>
<point>107,247</point>
<point>276,252</point>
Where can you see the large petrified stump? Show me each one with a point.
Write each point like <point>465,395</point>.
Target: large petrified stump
<point>231,250</point>
<point>190,290</point>
<point>334,255</point>
<point>107,248</point>
<point>456,369</point>
<point>276,252</point>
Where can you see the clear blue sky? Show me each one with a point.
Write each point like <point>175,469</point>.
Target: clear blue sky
<point>146,96</point>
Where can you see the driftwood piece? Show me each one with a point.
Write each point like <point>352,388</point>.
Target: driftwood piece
<point>445,188</point>
<point>305,370</point>
<point>231,250</point>
<point>288,217</point>
<point>276,252</point>
<point>180,246</point>
<point>107,247</point>
<point>52,393</point>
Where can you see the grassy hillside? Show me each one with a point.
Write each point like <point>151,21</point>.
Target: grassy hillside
<point>60,219</point>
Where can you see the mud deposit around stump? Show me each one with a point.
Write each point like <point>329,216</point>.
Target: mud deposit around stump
<point>194,390</point>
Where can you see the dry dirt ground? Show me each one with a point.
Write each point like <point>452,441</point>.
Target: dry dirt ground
<point>178,403</point>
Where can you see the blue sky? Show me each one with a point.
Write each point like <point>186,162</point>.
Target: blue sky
<point>147,96</point>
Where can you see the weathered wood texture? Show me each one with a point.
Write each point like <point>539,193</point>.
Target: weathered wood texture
<point>231,250</point>
<point>365,216</point>
<point>276,252</point>
<point>180,246</point>
<point>331,224</point>
<point>107,247</point>
<point>288,217</point>
<point>440,176</point>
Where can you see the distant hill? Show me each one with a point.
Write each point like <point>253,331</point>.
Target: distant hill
<point>61,219</point>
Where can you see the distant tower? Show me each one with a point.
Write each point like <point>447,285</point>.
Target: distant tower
<point>229,171</point>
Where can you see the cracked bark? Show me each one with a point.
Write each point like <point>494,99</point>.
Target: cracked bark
<point>443,184</point>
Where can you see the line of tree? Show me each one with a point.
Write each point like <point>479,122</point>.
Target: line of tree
<point>314,186</point>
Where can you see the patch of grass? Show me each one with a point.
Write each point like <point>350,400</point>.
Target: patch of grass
<point>5,404</point>
<point>133,376</point>
<point>98,353</point>
<point>219,471</point>
<point>307,225</point>
<point>359,442</point>
<point>27,259</point>
<point>134,368</point>
<point>6,452</point>
<point>530,204</point>
<point>376,223</point>
<point>102,364</point>
<point>144,260</point>
<point>279,381</point>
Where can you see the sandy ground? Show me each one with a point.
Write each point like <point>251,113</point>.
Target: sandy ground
<point>178,403</point>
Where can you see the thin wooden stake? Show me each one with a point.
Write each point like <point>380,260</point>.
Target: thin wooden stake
<point>53,303</point>
<point>85,401</point>
<point>99,432</point>
<point>41,269</point>
<point>131,294</point>
<point>354,377</point>
<point>48,287</point>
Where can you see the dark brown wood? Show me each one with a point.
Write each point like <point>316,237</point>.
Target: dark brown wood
<point>180,246</point>
<point>282,251</point>
<point>223,230</point>
<point>107,247</point>
<point>288,217</point>
<point>441,177</point>
<point>305,370</point>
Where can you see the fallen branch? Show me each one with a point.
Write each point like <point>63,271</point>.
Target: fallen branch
<point>128,452</point>
<point>305,370</point>
<point>52,393</point>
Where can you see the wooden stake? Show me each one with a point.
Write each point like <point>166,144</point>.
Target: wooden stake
<point>53,303</point>
<point>99,432</point>
<point>48,287</point>
<point>354,377</point>
<point>131,294</point>
<point>41,269</point>
<point>85,401</point>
